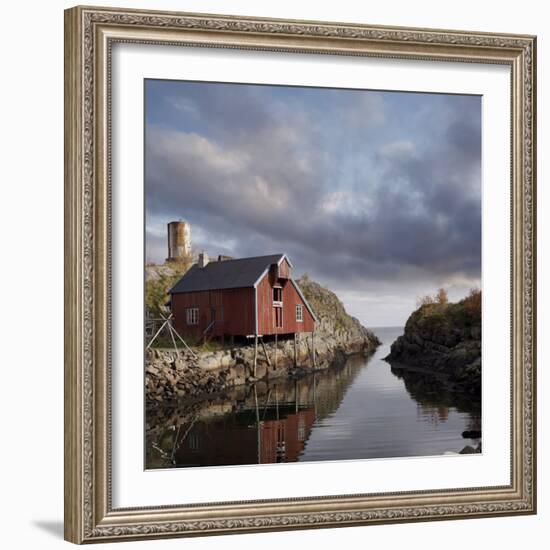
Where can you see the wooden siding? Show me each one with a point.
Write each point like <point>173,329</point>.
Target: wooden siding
<point>284,270</point>
<point>291,298</point>
<point>277,272</point>
<point>234,310</point>
<point>235,306</point>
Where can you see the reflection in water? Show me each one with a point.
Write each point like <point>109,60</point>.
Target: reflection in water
<point>364,409</point>
<point>435,398</point>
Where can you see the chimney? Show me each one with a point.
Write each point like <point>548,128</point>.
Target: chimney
<point>203,259</point>
<point>223,258</point>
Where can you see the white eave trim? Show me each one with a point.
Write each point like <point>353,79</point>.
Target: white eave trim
<point>285,257</point>
<point>261,277</point>
<point>255,310</point>
<point>306,303</point>
<point>266,270</point>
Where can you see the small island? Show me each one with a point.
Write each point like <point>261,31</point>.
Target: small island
<point>439,354</point>
<point>444,338</point>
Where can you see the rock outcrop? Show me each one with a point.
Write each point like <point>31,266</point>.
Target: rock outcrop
<point>171,375</point>
<point>335,325</point>
<point>445,339</point>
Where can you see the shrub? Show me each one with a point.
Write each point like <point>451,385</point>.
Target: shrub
<point>156,288</point>
<point>472,303</point>
<point>425,300</point>
<point>156,294</point>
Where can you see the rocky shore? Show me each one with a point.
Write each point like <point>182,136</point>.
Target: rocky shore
<point>444,339</point>
<point>172,375</point>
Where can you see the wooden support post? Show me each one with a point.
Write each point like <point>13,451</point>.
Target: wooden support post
<point>156,334</point>
<point>173,339</point>
<point>182,340</point>
<point>172,331</point>
<point>275,350</point>
<point>255,353</point>
<point>265,351</point>
<point>295,349</point>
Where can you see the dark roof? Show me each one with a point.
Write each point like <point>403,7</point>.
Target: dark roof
<point>239,273</point>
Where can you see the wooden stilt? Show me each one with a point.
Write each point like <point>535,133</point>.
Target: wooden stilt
<point>265,351</point>
<point>255,353</point>
<point>183,341</point>
<point>156,334</point>
<point>173,339</point>
<point>167,321</point>
<point>275,350</point>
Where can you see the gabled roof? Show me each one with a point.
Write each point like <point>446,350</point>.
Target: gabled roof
<point>239,273</point>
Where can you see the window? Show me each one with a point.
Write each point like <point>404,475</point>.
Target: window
<point>300,313</point>
<point>277,294</point>
<point>278,306</point>
<point>278,317</point>
<point>192,315</point>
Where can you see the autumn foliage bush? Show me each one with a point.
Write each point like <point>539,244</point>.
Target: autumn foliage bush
<point>467,309</point>
<point>472,303</point>
<point>440,297</point>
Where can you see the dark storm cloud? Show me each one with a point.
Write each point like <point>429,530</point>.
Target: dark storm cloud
<point>393,196</point>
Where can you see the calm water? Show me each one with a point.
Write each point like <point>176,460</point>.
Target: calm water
<point>364,409</point>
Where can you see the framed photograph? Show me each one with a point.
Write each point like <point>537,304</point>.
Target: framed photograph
<point>300,274</point>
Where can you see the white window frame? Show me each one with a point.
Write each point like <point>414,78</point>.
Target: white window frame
<point>299,318</point>
<point>192,315</point>
<point>277,308</point>
<point>277,303</point>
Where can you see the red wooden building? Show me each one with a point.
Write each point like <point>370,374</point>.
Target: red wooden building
<point>240,297</point>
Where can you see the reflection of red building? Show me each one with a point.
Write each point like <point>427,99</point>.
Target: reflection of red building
<point>284,440</point>
<point>232,441</point>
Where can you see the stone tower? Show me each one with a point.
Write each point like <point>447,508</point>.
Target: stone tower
<point>179,241</point>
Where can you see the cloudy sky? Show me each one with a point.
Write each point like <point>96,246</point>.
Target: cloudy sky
<point>376,195</point>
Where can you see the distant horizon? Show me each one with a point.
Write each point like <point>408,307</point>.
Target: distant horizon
<point>375,195</point>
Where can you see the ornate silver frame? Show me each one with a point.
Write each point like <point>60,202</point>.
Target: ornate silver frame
<point>89,36</point>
